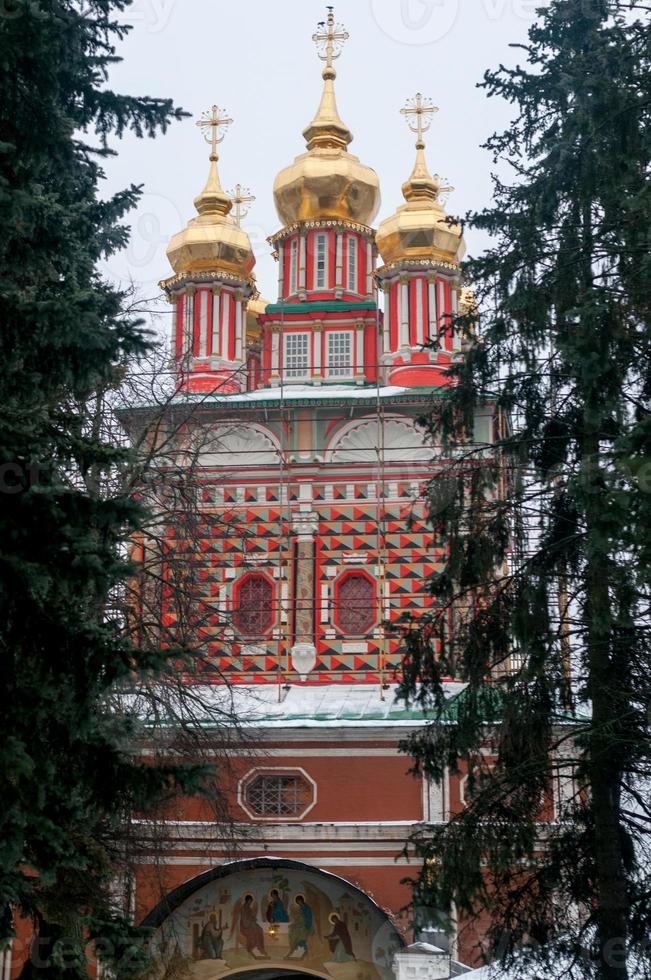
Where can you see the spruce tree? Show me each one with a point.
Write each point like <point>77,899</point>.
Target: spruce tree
<point>548,528</point>
<point>68,772</point>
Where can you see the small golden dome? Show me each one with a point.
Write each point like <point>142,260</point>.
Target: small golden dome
<point>420,229</point>
<point>213,241</point>
<point>327,181</point>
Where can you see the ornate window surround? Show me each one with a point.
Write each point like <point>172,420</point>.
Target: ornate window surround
<point>347,575</point>
<point>254,773</point>
<point>237,588</point>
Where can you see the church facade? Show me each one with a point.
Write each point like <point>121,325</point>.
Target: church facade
<point>315,551</point>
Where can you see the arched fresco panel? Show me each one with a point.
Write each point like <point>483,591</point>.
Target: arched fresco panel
<point>270,913</point>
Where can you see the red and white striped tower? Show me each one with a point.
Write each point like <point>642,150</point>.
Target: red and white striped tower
<point>421,250</point>
<point>212,282</point>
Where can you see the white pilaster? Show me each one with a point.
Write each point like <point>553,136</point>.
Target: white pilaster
<point>456,338</point>
<point>431,309</point>
<point>188,323</point>
<point>386,339</point>
<point>441,311</point>
<point>360,367</point>
<point>369,269</point>
<point>302,264</point>
<point>215,322</point>
<point>339,251</point>
<point>281,270</point>
<point>238,329</point>
<point>404,314</point>
<point>203,322</point>
<point>275,354</point>
<point>227,299</point>
<point>317,340</point>
<point>420,312</point>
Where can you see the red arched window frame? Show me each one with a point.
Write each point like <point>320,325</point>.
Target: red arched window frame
<point>355,603</point>
<point>253,608</point>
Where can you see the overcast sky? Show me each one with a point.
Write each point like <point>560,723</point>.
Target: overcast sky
<point>256,59</point>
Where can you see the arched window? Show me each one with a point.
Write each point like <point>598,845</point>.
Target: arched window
<point>355,612</point>
<point>253,614</point>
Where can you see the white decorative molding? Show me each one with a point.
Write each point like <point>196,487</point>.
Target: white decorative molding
<point>303,659</point>
<point>240,445</point>
<point>359,443</point>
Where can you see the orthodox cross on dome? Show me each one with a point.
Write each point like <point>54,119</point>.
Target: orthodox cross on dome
<point>330,39</point>
<point>418,112</point>
<point>242,199</point>
<point>215,120</point>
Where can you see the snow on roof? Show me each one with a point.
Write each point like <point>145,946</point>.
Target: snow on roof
<point>297,392</point>
<point>314,705</point>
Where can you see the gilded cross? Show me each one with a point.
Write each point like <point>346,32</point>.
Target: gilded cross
<point>330,38</point>
<point>242,199</point>
<point>419,112</point>
<point>215,120</point>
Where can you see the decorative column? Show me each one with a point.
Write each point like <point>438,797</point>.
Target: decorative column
<point>386,338</point>
<point>275,355</point>
<point>317,340</point>
<point>203,322</point>
<point>431,309</point>
<point>360,367</point>
<point>216,321</point>
<point>187,347</point>
<point>339,251</point>
<point>303,651</point>
<point>302,265</point>
<point>369,269</point>
<point>281,271</point>
<point>404,312</point>
<point>238,327</point>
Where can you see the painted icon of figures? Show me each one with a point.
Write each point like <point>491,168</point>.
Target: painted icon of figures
<point>339,941</point>
<point>276,911</point>
<point>301,927</point>
<point>245,925</point>
<point>211,942</point>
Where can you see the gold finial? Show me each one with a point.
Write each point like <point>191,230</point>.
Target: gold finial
<point>242,199</point>
<point>329,40</point>
<point>212,199</point>
<point>215,121</point>
<point>422,109</point>
<point>327,129</point>
<point>418,112</point>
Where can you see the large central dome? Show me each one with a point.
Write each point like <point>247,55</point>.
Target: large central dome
<point>327,181</point>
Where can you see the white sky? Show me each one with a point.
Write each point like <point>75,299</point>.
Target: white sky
<point>255,58</point>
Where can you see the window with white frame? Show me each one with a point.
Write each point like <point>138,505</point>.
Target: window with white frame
<point>352,263</point>
<point>296,355</point>
<point>340,359</point>
<point>321,262</point>
<point>293,266</point>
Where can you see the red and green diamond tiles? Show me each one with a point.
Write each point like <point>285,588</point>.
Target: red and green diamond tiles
<point>258,539</point>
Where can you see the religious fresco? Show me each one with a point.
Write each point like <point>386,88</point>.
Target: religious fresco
<point>275,917</point>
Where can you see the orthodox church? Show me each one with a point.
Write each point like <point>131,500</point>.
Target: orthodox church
<point>316,545</point>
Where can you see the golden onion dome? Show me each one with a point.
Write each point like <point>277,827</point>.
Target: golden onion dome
<point>213,241</point>
<point>327,181</point>
<point>420,230</point>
